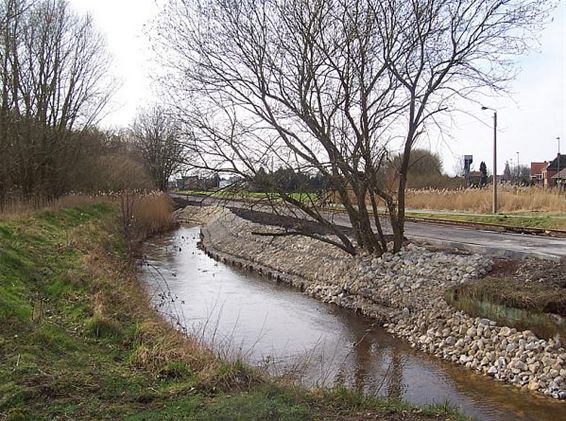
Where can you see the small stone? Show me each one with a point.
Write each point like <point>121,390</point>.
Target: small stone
<point>533,385</point>
<point>465,359</point>
<point>505,331</point>
<point>519,365</point>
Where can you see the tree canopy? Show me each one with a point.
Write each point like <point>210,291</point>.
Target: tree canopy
<point>334,87</point>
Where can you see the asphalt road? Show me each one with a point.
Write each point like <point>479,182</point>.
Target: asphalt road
<point>495,244</point>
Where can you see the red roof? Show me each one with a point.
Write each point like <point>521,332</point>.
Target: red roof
<point>537,167</point>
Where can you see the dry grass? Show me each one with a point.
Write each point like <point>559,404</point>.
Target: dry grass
<point>117,300</point>
<point>153,213</point>
<point>144,215</point>
<point>24,207</point>
<point>511,199</point>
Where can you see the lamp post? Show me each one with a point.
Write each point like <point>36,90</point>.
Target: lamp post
<point>558,180</point>
<point>518,169</point>
<point>494,208</point>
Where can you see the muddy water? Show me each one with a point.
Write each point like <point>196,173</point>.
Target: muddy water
<point>290,334</point>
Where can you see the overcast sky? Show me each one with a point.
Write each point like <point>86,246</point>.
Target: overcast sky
<point>529,121</point>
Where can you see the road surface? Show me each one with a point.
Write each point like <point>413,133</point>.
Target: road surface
<point>497,244</point>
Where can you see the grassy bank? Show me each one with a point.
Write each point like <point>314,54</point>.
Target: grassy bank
<point>523,208</point>
<point>527,295</point>
<point>78,339</point>
<point>541,221</point>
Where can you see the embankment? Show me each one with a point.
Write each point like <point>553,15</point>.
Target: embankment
<point>404,291</point>
<point>79,339</point>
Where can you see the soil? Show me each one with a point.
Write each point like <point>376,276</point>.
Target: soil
<point>291,223</point>
<point>531,284</point>
<point>287,222</point>
<point>537,271</point>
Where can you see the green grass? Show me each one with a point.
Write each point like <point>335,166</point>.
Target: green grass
<point>250,196</point>
<point>544,221</point>
<point>78,340</point>
<point>514,303</point>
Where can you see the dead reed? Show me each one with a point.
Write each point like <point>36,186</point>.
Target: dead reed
<point>18,205</point>
<point>145,214</point>
<point>511,199</point>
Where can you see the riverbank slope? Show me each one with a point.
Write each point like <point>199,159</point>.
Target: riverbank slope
<point>79,340</point>
<point>405,292</point>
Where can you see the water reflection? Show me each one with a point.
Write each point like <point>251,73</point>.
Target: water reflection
<point>281,329</point>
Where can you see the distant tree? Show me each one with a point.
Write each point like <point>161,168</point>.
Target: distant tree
<point>483,174</point>
<point>54,77</point>
<point>157,139</point>
<point>522,175</point>
<point>260,181</point>
<point>425,171</point>
<point>507,172</point>
<point>422,163</point>
<point>288,180</point>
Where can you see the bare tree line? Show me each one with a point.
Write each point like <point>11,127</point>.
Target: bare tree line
<point>54,70</point>
<point>332,86</point>
<point>157,138</point>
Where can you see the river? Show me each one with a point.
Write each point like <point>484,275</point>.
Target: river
<point>242,315</point>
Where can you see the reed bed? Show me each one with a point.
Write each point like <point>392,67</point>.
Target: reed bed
<point>24,206</point>
<point>153,213</point>
<point>142,214</point>
<point>510,199</point>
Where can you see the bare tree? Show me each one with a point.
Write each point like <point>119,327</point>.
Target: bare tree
<point>331,86</point>
<point>54,72</point>
<point>157,138</point>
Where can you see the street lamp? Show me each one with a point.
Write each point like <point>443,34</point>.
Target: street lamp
<point>494,209</point>
<point>557,179</point>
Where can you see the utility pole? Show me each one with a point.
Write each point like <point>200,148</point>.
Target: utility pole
<point>494,203</point>
<point>557,180</point>
<point>518,169</point>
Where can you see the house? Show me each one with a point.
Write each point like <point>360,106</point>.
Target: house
<point>189,183</point>
<point>474,178</point>
<point>536,172</point>
<point>553,168</point>
<point>196,183</point>
<point>559,179</point>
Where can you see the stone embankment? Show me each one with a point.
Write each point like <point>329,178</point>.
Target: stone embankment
<point>404,291</point>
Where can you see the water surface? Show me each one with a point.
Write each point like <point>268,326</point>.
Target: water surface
<point>243,315</point>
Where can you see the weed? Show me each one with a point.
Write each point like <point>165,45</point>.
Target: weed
<point>100,326</point>
<point>176,370</point>
<point>508,305</point>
